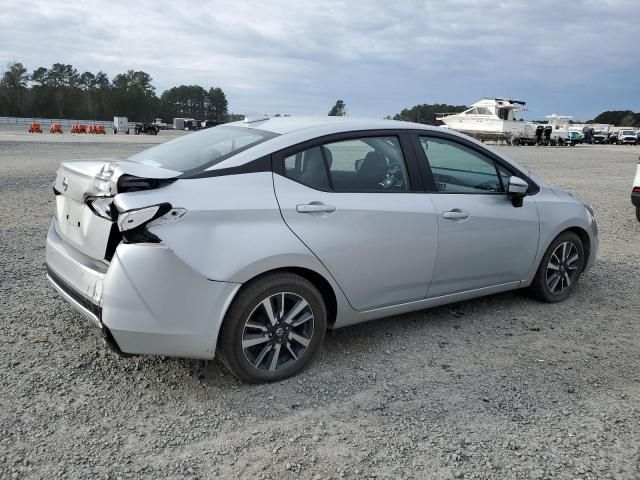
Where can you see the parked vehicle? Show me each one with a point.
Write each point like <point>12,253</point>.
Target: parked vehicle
<point>192,125</point>
<point>120,124</point>
<point>146,128</point>
<point>56,128</point>
<point>635,191</point>
<point>210,123</point>
<point>250,239</point>
<point>627,137</point>
<point>160,124</point>
<point>601,136</point>
<point>574,138</point>
<point>180,123</point>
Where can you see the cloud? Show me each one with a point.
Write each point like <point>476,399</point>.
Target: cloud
<point>379,56</point>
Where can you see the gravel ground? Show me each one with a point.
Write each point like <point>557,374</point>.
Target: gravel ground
<point>501,387</point>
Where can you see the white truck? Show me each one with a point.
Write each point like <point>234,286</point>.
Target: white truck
<point>121,124</point>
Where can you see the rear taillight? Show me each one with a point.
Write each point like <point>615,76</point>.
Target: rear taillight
<point>636,190</point>
<point>133,223</point>
<point>132,219</point>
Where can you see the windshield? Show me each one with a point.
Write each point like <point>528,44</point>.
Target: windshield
<point>202,149</point>
<point>628,132</point>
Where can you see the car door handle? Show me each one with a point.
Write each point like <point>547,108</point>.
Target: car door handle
<point>455,215</point>
<point>315,208</point>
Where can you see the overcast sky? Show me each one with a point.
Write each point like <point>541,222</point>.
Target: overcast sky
<point>567,57</point>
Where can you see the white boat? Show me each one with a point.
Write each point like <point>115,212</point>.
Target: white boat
<point>492,119</point>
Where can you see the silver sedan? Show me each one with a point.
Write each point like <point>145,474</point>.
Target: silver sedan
<point>250,239</point>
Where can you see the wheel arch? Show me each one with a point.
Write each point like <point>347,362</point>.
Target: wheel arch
<point>317,280</point>
<point>586,242</point>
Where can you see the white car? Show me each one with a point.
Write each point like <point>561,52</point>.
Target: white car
<point>250,239</point>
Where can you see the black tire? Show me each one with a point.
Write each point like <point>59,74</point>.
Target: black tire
<point>541,287</point>
<point>638,213</point>
<point>249,305</point>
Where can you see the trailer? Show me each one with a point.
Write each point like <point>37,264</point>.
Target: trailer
<point>121,124</point>
<point>181,123</point>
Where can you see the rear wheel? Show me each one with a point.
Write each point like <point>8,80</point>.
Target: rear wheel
<point>273,328</point>
<point>560,269</point>
<point>638,213</point>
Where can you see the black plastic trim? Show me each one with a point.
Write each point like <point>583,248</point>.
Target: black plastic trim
<point>115,237</point>
<point>85,302</point>
<point>92,307</point>
<point>262,164</point>
<point>131,183</point>
<point>635,199</point>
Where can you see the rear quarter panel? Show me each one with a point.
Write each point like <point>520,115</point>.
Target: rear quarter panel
<point>233,229</point>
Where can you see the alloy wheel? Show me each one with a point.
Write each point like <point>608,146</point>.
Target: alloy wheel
<point>562,268</point>
<point>278,331</point>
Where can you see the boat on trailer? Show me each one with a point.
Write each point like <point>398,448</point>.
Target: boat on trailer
<point>492,119</point>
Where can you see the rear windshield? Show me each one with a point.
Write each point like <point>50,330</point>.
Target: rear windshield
<point>200,150</point>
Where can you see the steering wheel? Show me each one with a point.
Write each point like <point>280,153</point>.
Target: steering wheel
<point>394,179</point>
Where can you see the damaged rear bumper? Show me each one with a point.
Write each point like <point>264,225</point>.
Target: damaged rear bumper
<point>145,301</point>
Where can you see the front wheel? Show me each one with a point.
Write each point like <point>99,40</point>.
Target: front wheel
<point>560,269</point>
<point>273,328</point>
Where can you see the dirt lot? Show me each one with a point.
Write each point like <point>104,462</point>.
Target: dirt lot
<point>502,387</point>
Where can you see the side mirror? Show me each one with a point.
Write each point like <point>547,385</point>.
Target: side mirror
<point>517,190</point>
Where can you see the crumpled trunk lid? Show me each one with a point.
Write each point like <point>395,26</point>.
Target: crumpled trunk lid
<point>79,181</point>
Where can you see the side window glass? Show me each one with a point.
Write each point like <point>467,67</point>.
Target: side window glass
<point>367,164</point>
<point>308,168</point>
<point>459,169</point>
<point>505,175</point>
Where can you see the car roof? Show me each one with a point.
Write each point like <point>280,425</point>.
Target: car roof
<point>283,125</point>
<point>295,130</point>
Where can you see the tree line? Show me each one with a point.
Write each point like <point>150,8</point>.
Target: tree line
<point>62,92</point>
<point>622,118</point>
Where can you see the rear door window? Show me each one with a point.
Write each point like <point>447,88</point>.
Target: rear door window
<point>308,167</point>
<point>368,164</point>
